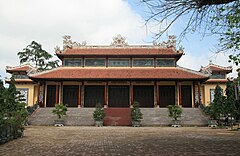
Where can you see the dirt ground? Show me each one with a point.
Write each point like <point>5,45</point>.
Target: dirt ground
<point>61,141</point>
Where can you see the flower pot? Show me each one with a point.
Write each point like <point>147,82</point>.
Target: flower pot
<point>212,123</point>
<point>136,123</point>
<point>176,123</point>
<point>98,123</point>
<point>59,122</point>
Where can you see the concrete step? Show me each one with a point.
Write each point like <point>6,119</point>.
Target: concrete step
<point>74,117</point>
<point>159,117</point>
<point>151,117</point>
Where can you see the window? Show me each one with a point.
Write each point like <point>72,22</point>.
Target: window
<point>24,94</point>
<point>20,76</point>
<point>95,62</point>
<point>217,76</point>
<point>143,62</point>
<point>118,62</point>
<point>73,62</point>
<point>165,63</point>
<point>212,93</point>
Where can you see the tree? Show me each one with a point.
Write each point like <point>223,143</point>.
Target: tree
<point>217,105</point>
<point>219,17</point>
<point>230,102</point>
<point>12,112</point>
<point>34,53</point>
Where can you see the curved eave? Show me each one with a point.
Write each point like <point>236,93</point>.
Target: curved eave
<point>76,73</point>
<point>177,55</point>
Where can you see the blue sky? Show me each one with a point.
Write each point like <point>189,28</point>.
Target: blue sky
<point>93,21</point>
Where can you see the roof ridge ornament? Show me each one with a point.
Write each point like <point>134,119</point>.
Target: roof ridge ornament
<point>171,43</point>
<point>119,41</point>
<point>69,44</point>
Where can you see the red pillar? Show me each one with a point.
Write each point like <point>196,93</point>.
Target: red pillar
<point>131,94</point>
<point>38,95</point>
<point>57,93</point>
<point>180,94</point>
<point>158,98</point>
<point>79,95</point>
<point>43,103</point>
<point>194,94</point>
<point>105,94</point>
<point>199,93</point>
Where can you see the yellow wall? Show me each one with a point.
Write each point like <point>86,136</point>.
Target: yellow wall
<point>207,88</point>
<point>31,92</point>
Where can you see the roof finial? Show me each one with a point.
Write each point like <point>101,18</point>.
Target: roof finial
<point>210,62</point>
<point>171,42</point>
<point>119,41</point>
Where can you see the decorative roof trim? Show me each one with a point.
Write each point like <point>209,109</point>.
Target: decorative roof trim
<point>193,71</point>
<point>208,67</point>
<point>44,72</point>
<point>31,68</point>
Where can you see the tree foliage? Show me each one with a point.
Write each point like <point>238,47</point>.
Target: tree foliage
<point>218,17</point>
<point>12,112</point>
<point>40,58</point>
<point>174,112</point>
<point>216,108</point>
<point>136,113</point>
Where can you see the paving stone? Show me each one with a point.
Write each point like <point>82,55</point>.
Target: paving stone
<point>126,141</point>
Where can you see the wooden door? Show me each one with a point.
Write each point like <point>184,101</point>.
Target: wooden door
<point>70,95</point>
<point>186,92</point>
<point>93,95</point>
<point>166,96</point>
<point>118,96</point>
<point>144,95</point>
<point>51,96</point>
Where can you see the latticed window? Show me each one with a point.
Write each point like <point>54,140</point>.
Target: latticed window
<point>24,94</point>
<point>217,76</point>
<point>143,62</point>
<point>72,62</point>
<point>118,62</point>
<point>165,63</point>
<point>20,76</point>
<point>95,62</point>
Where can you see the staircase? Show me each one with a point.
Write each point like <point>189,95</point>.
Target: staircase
<point>75,117</point>
<point>159,117</point>
<point>151,117</point>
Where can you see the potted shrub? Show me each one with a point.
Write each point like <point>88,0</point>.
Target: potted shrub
<point>98,115</point>
<point>175,113</point>
<point>60,110</point>
<point>136,114</point>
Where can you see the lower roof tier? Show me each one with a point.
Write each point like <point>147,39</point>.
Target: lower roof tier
<point>76,73</point>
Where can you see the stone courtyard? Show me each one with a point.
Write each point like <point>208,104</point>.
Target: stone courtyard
<point>70,140</point>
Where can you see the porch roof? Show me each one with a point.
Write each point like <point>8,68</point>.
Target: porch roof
<point>77,73</point>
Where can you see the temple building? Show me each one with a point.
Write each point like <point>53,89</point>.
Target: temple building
<point>117,75</point>
<point>218,75</point>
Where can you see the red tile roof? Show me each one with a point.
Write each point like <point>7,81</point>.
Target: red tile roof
<point>20,80</point>
<point>218,68</point>
<point>118,51</point>
<point>23,68</point>
<point>217,81</point>
<point>73,73</point>
<point>213,67</point>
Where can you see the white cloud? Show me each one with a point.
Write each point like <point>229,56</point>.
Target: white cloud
<point>47,21</point>
<point>94,21</point>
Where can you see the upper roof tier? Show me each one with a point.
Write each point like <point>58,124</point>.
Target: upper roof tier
<point>119,48</point>
<point>22,68</point>
<point>210,68</point>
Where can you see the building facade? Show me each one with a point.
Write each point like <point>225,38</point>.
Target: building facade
<point>119,74</point>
